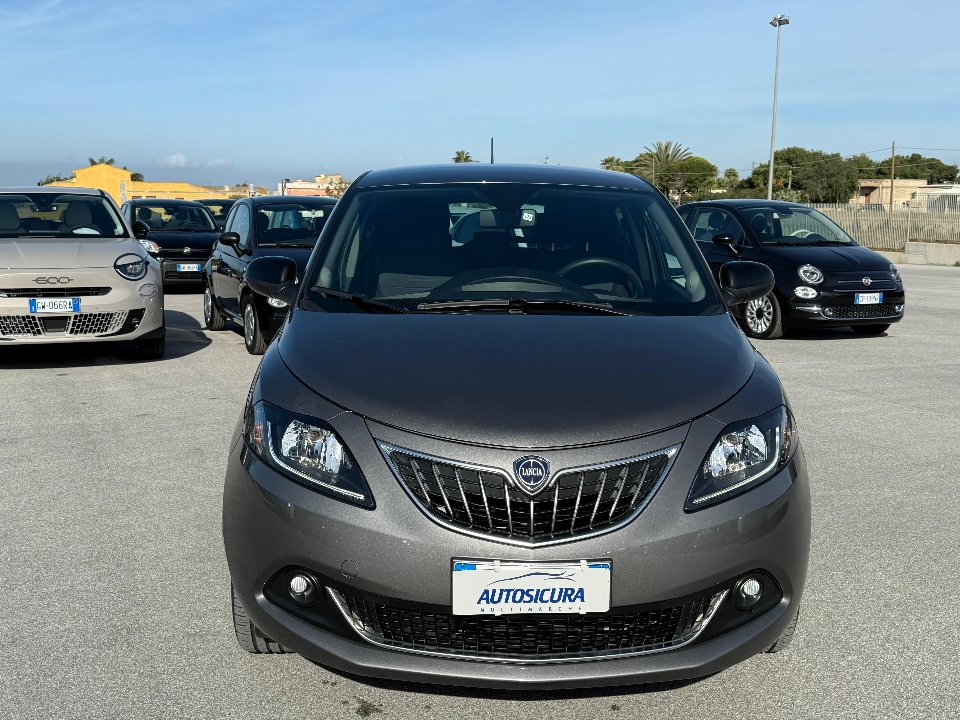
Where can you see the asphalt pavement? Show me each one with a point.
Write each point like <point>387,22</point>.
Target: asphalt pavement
<point>116,592</point>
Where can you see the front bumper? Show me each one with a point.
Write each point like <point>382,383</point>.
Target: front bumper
<point>836,307</point>
<point>121,313</point>
<point>396,552</point>
<point>173,276</point>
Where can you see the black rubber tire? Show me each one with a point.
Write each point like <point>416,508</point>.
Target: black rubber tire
<point>774,330</point>
<point>870,329</point>
<point>786,636</point>
<point>213,319</point>
<point>248,634</point>
<point>253,338</point>
<point>149,348</point>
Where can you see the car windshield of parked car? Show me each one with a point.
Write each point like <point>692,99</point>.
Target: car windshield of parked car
<point>289,224</point>
<point>511,246</point>
<point>796,225</point>
<point>219,210</point>
<point>30,215</point>
<point>172,217</point>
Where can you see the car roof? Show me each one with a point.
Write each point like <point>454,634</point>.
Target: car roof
<point>748,202</point>
<point>204,201</point>
<point>50,190</point>
<point>165,201</point>
<point>500,173</point>
<point>293,199</point>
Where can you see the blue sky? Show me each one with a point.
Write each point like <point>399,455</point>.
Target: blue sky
<point>236,90</point>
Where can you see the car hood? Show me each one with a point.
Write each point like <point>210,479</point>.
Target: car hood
<point>195,240</point>
<point>829,258</point>
<point>51,253</point>
<point>523,381</point>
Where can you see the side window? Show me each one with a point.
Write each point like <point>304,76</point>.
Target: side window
<point>711,222</point>
<point>687,215</point>
<point>241,225</point>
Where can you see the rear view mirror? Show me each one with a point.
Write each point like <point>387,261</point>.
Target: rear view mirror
<point>508,219</point>
<point>140,230</point>
<point>273,276</point>
<point>742,281</point>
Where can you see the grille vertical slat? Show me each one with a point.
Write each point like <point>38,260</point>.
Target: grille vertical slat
<point>443,490</point>
<point>466,504</point>
<point>486,505</point>
<point>506,495</point>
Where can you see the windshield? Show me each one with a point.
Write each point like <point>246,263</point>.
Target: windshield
<point>796,225</point>
<point>219,208</point>
<point>469,244</point>
<point>174,217</point>
<point>291,224</point>
<point>49,215</point>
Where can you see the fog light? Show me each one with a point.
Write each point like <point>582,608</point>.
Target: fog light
<point>807,293</point>
<point>898,308</point>
<point>828,312</point>
<point>304,589</point>
<point>747,592</point>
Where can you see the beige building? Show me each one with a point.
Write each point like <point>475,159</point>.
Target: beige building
<point>118,184</point>
<point>317,188</point>
<point>878,191</point>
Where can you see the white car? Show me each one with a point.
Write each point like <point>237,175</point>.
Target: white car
<point>72,271</point>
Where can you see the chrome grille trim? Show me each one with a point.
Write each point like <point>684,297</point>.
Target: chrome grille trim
<point>505,525</point>
<point>53,292</point>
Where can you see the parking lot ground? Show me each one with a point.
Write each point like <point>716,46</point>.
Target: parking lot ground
<point>116,593</point>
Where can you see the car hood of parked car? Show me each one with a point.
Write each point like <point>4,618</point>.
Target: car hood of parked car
<point>38,253</point>
<point>530,381</point>
<point>177,239</point>
<point>829,258</point>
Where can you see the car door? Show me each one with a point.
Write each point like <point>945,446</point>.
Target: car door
<point>230,262</point>
<point>706,222</point>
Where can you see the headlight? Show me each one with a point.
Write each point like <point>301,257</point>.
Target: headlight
<point>273,302</point>
<point>807,293</point>
<point>150,246</point>
<point>130,266</point>
<point>307,450</point>
<point>746,454</point>
<point>895,272</point>
<point>810,274</point>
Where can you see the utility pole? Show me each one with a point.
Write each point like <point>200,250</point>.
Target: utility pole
<point>491,151</point>
<point>777,22</point>
<point>893,165</point>
<point>790,180</point>
<point>653,164</point>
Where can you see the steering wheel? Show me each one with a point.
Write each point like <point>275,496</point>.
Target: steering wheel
<point>633,280</point>
<point>507,275</point>
<point>83,230</point>
<point>801,233</point>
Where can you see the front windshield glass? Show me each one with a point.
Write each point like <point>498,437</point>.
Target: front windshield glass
<point>48,215</point>
<point>290,224</point>
<point>174,217</point>
<point>517,243</point>
<point>219,208</point>
<point>795,225</point>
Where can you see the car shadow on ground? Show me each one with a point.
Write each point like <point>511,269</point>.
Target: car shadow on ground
<point>185,336</point>
<point>837,333</point>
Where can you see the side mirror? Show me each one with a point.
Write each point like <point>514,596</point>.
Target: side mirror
<point>275,277</point>
<point>728,241</point>
<point>231,238</point>
<point>742,281</point>
<point>140,230</point>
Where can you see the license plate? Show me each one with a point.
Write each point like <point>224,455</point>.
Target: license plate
<point>54,305</point>
<point>868,298</point>
<point>488,587</point>
<point>188,267</point>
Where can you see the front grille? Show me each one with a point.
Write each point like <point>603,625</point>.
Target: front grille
<point>852,312</point>
<point>96,323</point>
<point>486,500</point>
<point>531,636</point>
<point>858,286</point>
<point>19,326</point>
<point>53,292</point>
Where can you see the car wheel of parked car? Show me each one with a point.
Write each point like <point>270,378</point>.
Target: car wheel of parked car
<point>762,318</point>
<point>249,635</point>
<point>870,329</point>
<point>212,317</point>
<point>787,635</point>
<point>149,348</point>
<point>252,335</point>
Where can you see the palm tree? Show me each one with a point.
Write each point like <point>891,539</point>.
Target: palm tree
<point>462,156</point>
<point>612,162</point>
<point>102,159</point>
<point>666,152</point>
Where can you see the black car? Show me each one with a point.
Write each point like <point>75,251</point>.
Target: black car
<point>269,225</point>
<point>823,277</point>
<point>219,208</point>
<point>179,233</point>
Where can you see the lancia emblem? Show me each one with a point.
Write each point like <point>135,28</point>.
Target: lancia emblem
<point>187,251</point>
<point>867,281</point>
<point>532,473</point>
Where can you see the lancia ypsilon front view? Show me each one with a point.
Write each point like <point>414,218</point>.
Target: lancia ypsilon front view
<point>537,454</point>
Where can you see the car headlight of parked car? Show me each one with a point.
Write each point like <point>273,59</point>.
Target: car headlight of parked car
<point>746,454</point>
<point>131,266</point>
<point>307,450</point>
<point>895,273</point>
<point>150,246</point>
<point>810,274</point>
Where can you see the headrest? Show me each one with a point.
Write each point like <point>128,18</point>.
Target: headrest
<point>9,219</point>
<point>78,213</point>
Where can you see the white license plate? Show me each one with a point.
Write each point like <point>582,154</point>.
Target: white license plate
<point>868,298</point>
<point>54,305</point>
<point>487,587</point>
<point>188,267</point>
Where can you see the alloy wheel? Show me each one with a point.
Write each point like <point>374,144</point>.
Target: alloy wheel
<point>759,315</point>
<point>207,306</point>
<point>249,324</point>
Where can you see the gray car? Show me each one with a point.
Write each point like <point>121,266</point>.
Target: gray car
<point>72,271</point>
<point>541,456</point>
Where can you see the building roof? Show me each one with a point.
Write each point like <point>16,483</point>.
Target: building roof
<point>500,173</point>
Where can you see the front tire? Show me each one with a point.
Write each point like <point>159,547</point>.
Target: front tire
<point>249,636</point>
<point>762,318</point>
<point>213,319</point>
<point>252,333</point>
<point>870,329</point>
<point>151,348</point>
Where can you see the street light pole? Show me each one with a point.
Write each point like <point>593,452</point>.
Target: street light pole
<point>777,22</point>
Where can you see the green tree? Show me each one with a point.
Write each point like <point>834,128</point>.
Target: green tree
<point>691,176</point>
<point>337,189</point>
<point>612,162</point>
<point>730,179</point>
<point>462,156</point>
<point>820,177</point>
<point>136,176</point>
<point>102,159</point>
<point>918,167</point>
<point>53,178</point>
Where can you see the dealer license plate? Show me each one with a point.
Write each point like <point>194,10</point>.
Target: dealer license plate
<point>487,587</point>
<point>54,305</point>
<point>868,298</point>
<point>188,267</point>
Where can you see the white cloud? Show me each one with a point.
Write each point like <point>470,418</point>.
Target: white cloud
<point>219,163</point>
<point>177,160</point>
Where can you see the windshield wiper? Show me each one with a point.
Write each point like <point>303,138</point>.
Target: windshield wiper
<point>523,305</point>
<point>287,244</point>
<point>361,301</point>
